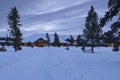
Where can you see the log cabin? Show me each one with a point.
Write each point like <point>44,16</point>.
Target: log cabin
<point>40,42</point>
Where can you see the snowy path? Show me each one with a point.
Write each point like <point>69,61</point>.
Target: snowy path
<point>60,64</point>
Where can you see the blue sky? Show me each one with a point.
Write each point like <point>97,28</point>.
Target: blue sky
<point>49,16</point>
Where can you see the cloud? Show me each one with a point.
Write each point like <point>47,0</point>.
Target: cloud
<point>48,6</point>
<point>41,27</point>
<point>42,16</point>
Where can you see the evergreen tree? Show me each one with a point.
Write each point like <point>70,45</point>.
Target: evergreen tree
<point>114,9</point>
<point>14,23</point>
<point>71,39</point>
<point>79,40</point>
<point>48,38</point>
<point>108,37</point>
<point>116,43</point>
<point>56,40</point>
<point>115,28</point>
<point>83,45</point>
<point>92,31</point>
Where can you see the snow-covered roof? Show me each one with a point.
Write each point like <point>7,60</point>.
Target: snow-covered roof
<point>35,37</point>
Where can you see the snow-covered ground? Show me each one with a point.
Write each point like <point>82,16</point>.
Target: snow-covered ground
<point>50,63</point>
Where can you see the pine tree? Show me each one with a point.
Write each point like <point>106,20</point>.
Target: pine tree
<point>92,31</point>
<point>14,23</point>
<point>79,40</point>
<point>115,27</point>
<point>108,37</point>
<point>71,39</point>
<point>114,9</point>
<point>56,40</point>
<point>48,38</point>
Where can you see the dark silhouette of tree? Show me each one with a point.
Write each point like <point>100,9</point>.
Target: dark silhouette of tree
<point>79,40</point>
<point>48,38</point>
<point>14,23</point>
<point>115,28</point>
<point>29,43</point>
<point>114,9</point>
<point>71,39</point>
<point>92,31</point>
<point>116,43</point>
<point>56,40</point>
<point>108,37</point>
<point>83,45</point>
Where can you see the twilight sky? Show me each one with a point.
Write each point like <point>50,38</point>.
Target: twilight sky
<point>49,16</point>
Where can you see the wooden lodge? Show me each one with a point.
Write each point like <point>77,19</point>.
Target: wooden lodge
<point>40,43</point>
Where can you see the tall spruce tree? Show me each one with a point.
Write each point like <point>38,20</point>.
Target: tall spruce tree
<point>114,9</point>
<point>48,38</point>
<point>115,29</point>
<point>79,40</point>
<point>92,31</point>
<point>14,23</point>
<point>107,37</point>
<point>56,40</point>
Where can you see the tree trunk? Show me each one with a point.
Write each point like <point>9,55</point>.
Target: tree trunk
<point>92,46</point>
